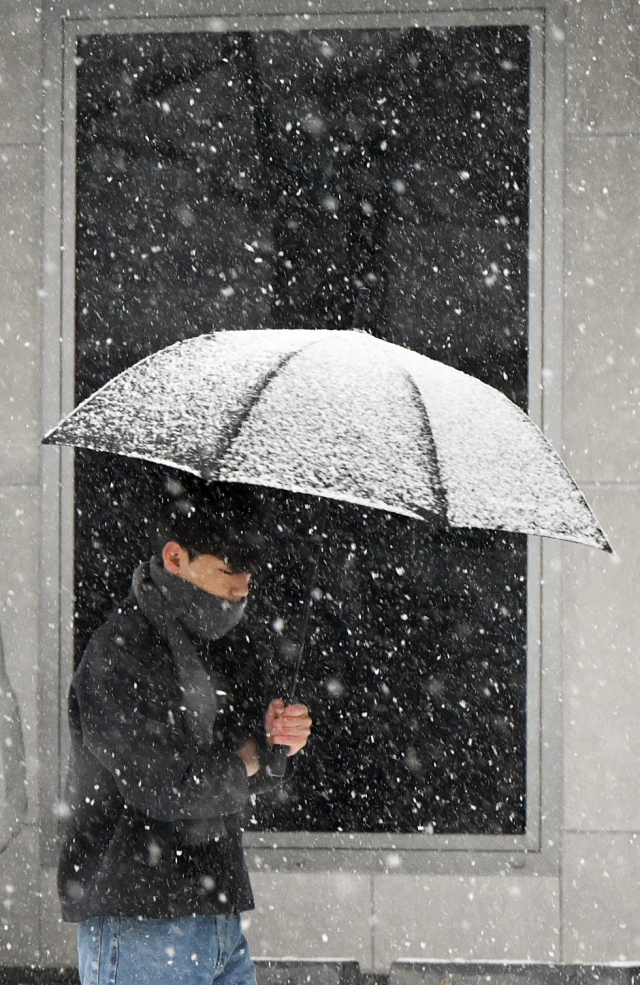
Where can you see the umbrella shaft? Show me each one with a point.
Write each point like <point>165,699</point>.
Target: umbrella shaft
<point>311,579</point>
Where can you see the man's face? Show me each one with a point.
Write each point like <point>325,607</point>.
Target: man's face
<point>208,572</point>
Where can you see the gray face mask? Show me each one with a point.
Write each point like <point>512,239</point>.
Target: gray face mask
<point>203,615</point>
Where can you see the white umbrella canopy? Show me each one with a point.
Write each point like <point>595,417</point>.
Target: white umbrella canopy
<point>343,415</point>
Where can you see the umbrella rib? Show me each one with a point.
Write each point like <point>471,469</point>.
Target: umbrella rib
<point>438,488</point>
<point>240,421</point>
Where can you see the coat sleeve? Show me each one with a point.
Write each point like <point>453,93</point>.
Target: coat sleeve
<point>263,782</point>
<point>128,724</point>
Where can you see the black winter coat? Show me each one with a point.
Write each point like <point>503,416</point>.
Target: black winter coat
<point>135,775</point>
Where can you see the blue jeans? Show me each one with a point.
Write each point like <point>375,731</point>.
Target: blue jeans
<point>189,950</point>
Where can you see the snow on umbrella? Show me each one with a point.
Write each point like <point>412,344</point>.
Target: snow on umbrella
<point>343,415</point>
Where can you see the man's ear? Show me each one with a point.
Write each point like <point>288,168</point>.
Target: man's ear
<point>172,557</point>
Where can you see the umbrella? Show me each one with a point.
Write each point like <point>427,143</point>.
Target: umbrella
<point>341,415</point>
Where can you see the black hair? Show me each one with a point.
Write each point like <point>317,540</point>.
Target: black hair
<point>224,519</point>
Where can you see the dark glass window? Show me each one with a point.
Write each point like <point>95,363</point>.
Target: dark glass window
<point>375,179</point>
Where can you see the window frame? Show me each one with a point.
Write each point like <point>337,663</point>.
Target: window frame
<point>366,851</point>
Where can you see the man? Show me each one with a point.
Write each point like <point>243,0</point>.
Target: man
<point>169,739</point>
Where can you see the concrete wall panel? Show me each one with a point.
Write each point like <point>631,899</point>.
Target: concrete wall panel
<point>602,337</point>
<point>57,939</point>
<point>603,44</point>
<point>602,671</point>
<point>19,901</point>
<point>311,916</point>
<point>20,244</point>
<point>20,72</point>
<point>466,918</point>
<point>601,903</point>
<point>19,537</point>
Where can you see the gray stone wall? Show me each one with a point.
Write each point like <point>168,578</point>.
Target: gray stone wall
<point>588,908</point>
<point>20,332</point>
<point>601,856</point>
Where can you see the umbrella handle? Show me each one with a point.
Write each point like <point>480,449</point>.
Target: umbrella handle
<point>278,762</point>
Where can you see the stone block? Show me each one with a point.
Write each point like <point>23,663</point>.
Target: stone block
<point>603,45</point>
<point>601,903</point>
<point>20,72</point>
<point>57,939</point>
<point>311,916</point>
<point>465,918</point>
<point>19,900</point>
<point>19,589</point>
<point>20,319</point>
<point>602,670</point>
<point>602,317</point>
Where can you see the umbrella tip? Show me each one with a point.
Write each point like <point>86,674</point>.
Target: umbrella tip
<point>51,437</point>
<point>602,541</point>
